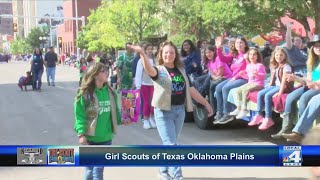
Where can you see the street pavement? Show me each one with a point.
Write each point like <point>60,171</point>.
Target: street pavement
<point>46,118</point>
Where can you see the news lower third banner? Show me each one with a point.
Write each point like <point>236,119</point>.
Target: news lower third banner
<point>160,156</point>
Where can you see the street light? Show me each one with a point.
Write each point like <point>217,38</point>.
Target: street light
<point>43,41</point>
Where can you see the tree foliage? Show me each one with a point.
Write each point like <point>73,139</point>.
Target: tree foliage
<point>19,46</point>
<point>33,37</point>
<point>118,21</point>
<point>113,24</point>
<point>206,18</point>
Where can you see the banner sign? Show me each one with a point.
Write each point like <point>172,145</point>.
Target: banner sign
<point>160,156</point>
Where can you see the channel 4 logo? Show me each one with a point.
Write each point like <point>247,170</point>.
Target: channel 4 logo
<point>31,156</point>
<point>291,156</point>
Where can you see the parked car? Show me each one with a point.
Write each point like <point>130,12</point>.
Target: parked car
<point>4,58</point>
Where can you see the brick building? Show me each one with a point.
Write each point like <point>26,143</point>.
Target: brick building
<point>6,26</point>
<point>68,29</point>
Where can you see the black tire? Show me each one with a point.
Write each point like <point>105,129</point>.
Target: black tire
<point>201,118</point>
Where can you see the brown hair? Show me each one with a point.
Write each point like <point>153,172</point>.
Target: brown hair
<point>88,83</point>
<point>259,60</point>
<point>273,63</point>
<point>205,58</point>
<point>146,45</point>
<point>177,62</point>
<point>235,52</point>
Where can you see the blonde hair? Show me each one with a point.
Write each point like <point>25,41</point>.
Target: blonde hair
<point>88,82</point>
<point>177,62</point>
<point>312,59</point>
<point>273,62</point>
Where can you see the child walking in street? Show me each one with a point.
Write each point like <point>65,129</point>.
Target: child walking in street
<point>278,86</point>
<point>256,73</point>
<point>145,84</point>
<point>96,113</point>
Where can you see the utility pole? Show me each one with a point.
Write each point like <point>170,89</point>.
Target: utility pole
<point>77,30</point>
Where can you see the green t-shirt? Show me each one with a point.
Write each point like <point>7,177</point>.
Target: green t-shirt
<point>124,63</point>
<point>104,130</point>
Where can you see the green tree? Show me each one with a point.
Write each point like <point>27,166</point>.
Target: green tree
<point>116,22</point>
<point>252,17</point>
<point>33,37</point>
<point>195,19</point>
<point>185,20</point>
<point>19,46</point>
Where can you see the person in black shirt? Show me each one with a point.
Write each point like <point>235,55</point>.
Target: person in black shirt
<point>51,59</point>
<point>172,95</point>
<point>267,51</point>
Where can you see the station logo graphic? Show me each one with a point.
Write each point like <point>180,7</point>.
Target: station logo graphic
<point>31,156</point>
<point>291,156</point>
<point>61,156</point>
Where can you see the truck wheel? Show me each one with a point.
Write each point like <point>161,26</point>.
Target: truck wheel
<point>201,118</point>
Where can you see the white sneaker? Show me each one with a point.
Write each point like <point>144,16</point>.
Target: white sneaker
<point>242,114</point>
<point>152,122</point>
<point>146,124</point>
<point>235,112</point>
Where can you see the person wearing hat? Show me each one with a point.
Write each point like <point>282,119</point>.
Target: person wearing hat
<point>267,51</point>
<point>310,88</point>
<point>296,57</point>
<point>51,59</point>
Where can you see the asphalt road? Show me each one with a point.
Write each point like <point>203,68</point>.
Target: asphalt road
<point>47,118</point>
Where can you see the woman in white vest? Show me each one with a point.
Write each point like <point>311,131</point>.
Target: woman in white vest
<point>172,94</point>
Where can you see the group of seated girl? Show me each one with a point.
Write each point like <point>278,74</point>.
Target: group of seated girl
<point>242,68</point>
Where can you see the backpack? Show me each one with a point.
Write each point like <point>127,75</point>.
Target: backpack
<point>37,63</point>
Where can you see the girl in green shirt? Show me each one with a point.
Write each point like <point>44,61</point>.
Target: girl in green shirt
<point>96,112</point>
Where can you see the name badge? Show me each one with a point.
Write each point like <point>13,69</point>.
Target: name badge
<point>163,74</point>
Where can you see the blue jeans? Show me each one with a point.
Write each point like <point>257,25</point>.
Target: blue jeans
<point>169,125</point>
<point>36,77</point>
<point>292,98</point>
<point>311,112</point>
<point>51,71</point>
<point>222,91</point>
<point>305,98</point>
<point>265,97</point>
<point>95,172</point>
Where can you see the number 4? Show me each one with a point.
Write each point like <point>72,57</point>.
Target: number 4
<point>295,156</point>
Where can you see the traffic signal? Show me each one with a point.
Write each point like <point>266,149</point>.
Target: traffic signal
<point>60,41</point>
<point>15,27</point>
